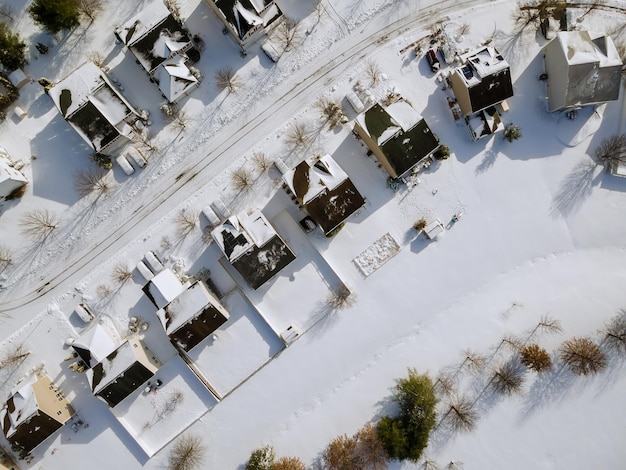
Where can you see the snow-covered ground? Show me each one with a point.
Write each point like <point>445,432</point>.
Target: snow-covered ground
<point>541,233</point>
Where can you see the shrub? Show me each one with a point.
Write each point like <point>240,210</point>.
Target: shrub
<point>187,453</point>
<point>442,152</point>
<point>6,257</point>
<point>340,454</point>
<point>9,92</point>
<point>405,436</point>
<point>535,358</point>
<point>369,451</point>
<point>102,160</point>
<point>420,224</point>
<point>12,48</point>
<point>288,463</point>
<point>583,356</point>
<point>341,298</point>
<point>261,459</point>
<point>121,274</point>
<point>55,15</point>
<point>90,8</point>
<point>512,132</point>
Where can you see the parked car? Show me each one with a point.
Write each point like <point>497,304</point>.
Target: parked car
<point>83,312</point>
<point>125,165</point>
<point>431,56</point>
<point>153,262</point>
<point>134,156</point>
<point>355,101</point>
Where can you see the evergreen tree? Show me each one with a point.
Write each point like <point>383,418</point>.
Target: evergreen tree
<point>11,49</point>
<point>55,15</point>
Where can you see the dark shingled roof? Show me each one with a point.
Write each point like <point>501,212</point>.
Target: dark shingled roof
<point>260,264</point>
<point>30,434</point>
<point>197,329</point>
<point>124,384</point>
<point>404,150</point>
<point>331,207</point>
<point>227,7</point>
<point>93,123</point>
<point>491,90</point>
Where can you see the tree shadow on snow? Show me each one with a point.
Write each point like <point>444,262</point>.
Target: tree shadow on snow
<point>575,188</point>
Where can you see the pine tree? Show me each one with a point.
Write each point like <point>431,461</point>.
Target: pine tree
<point>12,49</point>
<point>55,15</point>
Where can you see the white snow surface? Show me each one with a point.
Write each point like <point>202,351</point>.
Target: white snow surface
<point>542,233</point>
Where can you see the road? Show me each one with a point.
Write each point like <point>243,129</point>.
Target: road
<point>235,139</point>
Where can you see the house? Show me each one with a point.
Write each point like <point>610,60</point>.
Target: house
<point>160,44</point>
<point>397,135</point>
<point>483,81</point>
<point>164,287</point>
<point>581,70</point>
<point>6,461</point>
<point>122,371</point>
<point>11,179</point>
<point>484,123</point>
<point>35,411</point>
<point>192,316</point>
<point>246,20</point>
<point>95,108</point>
<point>253,247</point>
<point>325,191</point>
<point>96,343</point>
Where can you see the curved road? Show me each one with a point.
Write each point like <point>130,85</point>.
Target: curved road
<point>229,141</point>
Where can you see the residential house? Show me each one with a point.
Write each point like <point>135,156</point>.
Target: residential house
<point>164,287</point>
<point>6,461</point>
<point>397,135</point>
<point>481,83</point>
<point>160,44</point>
<point>122,371</point>
<point>325,191</point>
<point>246,20</point>
<point>192,316</point>
<point>96,343</point>
<point>11,179</point>
<point>95,108</point>
<point>581,70</point>
<point>36,410</point>
<point>253,247</point>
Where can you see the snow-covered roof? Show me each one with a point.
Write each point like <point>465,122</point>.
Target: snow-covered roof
<point>184,307</point>
<point>175,78</point>
<point>383,122</point>
<point>484,62</point>
<point>10,178</point>
<point>239,233</point>
<point>96,343</point>
<point>164,287</point>
<point>246,15</point>
<point>80,84</point>
<point>24,404</point>
<point>580,48</point>
<point>308,179</point>
<point>140,24</point>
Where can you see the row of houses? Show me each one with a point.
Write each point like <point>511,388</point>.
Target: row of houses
<point>581,71</point>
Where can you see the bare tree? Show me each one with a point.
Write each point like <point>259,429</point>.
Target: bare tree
<point>187,453</point>
<point>614,332</point>
<point>583,356</point>
<point>174,7</point>
<point>461,415</point>
<point>464,29</point>
<point>532,12</point>
<point>369,450</point>
<point>508,379</point>
<point>288,33</point>
<point>288,463</point>
<point>180,120</point>
<point>298,135</point>
<point>535,358</point>
<point>90,8</point>
<point>612,150</point>
<point>92,180</point>
<point>175,399</point>
<point>341,298</point>
<point>373,72</point>
<point>429,464</point>
<point>104,290</point>
<point>96,57</point>
<point>511,342</point>
<point>226,79</point>
<point>330,112</point>
<point>242,179</point>
<point>121,274</point>
<point>548,325</point>
<point>38,224</point>
<point>148,143</point>
<point>444,383</point>
<point>186,222</point>
<point>6,257</point>
<point>6,12</point>
<point>454,465</point>
<point>473,361</point>
<point>261,161</point>
<point>15,355</point>
<point>339,454</point>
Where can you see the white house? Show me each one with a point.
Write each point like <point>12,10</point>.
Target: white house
<point>95,108</point>
<point>581,70</point>
<point>11,179</point>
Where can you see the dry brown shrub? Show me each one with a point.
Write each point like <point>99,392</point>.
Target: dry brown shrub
<point>288,463</point>
<point>373,72</point>
<point>583,356</point>
<point>261,161</point>
<point>369,451</point>
<point>242,179</point>
<point>186,222</point>
<point>187,453</point>
<point>339,454</point>
<point>535,358</point>
<point>121,274</point>
<point>340,298</point>
<point>298,135</point>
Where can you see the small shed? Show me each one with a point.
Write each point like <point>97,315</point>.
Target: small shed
<point>433,229</point>
<point>19,78</point>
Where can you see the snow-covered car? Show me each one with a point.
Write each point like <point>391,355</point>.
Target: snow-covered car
<point>355,101</point>
<point>125,165</point>
<point>134,156</point>
<point>83,312</point>
<point>144,271</point>
<point>270,51</point>
<point>211,216</point>
<point>153,262</point>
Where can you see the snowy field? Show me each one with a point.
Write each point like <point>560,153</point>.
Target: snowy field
<point>542,232</point>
